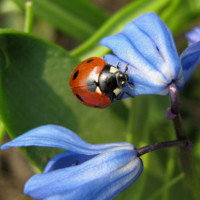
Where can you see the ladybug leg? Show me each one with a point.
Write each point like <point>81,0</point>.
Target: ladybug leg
<point>112,99</point>
<point>130,83</point>
<point>126,68</point>
<point>118,65</point>
<point>120,97</point>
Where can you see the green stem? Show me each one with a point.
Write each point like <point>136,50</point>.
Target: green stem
<point>171,183</point>
<point>138,120</point>
<point>29,17</point>
<point>169,172</point>
<point>2,131</point>
<point>138,127</point>
<point>170,166</point>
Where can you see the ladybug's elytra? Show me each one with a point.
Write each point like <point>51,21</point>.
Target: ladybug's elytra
<point>96,83</point>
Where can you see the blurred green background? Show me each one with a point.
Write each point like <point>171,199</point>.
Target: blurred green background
<point>34,89</point>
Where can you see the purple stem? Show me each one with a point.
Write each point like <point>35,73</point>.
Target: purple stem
<point>174,98</point>
<point>185,155</point>
<point>161,145</point>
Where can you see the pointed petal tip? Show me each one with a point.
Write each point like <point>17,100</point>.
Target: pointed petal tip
<point>193,36</point>
<point>190,59</point>
<point>4,146</point>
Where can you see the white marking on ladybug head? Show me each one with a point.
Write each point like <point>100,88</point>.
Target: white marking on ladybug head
<point>117,91</point>
<point>113,70</point>
<point>120,75</point>
<point>123,82</point>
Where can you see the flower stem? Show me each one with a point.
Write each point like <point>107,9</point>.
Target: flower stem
<point>174,98</point>
<point>29,17</point>
<point>161,145</point>
<point>186,158</point>
<point>139,123</point>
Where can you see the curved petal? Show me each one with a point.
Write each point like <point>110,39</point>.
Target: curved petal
<point>142,85</point>
<point>193,36</point>
<point>93,179</point>
<point>122,47</point>
<point>190,59</point>
<point>111,190</point>
<point>66,159</point>
<point>160,34</point>
<point>148,46</point>
<point>60,137</point>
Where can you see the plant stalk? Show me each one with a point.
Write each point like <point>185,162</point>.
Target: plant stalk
<point>185,154</point>
<point>161,145</point>
<point>29,17</point>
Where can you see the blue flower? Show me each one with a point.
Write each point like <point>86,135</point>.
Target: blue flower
<point>147,45</point>
<point>86,171</point>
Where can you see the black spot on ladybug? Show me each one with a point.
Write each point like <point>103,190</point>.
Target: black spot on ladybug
<point>88,61</point>
<point>76,74</point>
<point>79,97</point>
<point>97,106</point>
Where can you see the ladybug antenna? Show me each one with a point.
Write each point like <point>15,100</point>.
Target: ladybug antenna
<point>127,78</point>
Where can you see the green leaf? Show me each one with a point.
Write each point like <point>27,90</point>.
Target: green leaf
<point>34,90</point>
<point>77,18</point>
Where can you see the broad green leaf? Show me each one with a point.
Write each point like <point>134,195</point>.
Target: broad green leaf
<point>77,18</point>
<point>34,90</point>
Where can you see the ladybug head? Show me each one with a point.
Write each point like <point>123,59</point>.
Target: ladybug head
<point>122,79</point>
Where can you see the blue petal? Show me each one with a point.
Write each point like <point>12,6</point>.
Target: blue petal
<point>60,137</point>
<point>160,34</point>
<point>66,159</point>
<point>193,36</point>
<point>110,191</point>
<point>102,177</point>
<point>190,59</point>
<point>148,46</point>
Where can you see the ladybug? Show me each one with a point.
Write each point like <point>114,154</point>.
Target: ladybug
<point>96,83</point>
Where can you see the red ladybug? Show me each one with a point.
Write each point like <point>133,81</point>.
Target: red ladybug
<point>96,83</point>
